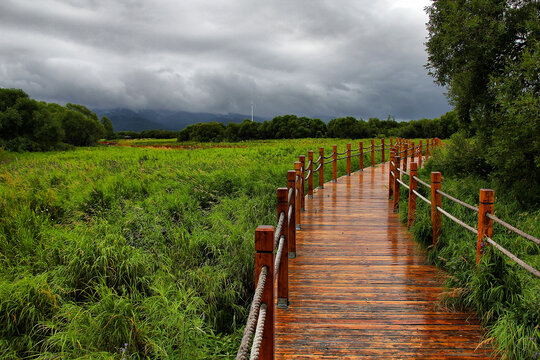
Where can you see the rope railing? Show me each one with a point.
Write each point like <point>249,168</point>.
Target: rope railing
<point>308,174</point>
<point>457,201</point>
<point>484,211</point>
<point>342,158</point>
<point>514,257</point>
<point>279,252</point>
<point>318,167</point>
<point>513,229</point>
<point>423,183</point>
<point>403,172</point>
<point>257,339</point>
<point>457,221</point>
<point>318,159</point>
<point>290,195</point>
<point>279,227</point>
<point>329,156</point>
<point>252,318</point>
<point>402,183</point>
<point>290,213</point>
<point>343,153</point>
<point>421,197</point>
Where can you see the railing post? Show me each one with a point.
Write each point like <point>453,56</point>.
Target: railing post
<point>298,198</point>
<point>302,159</point>
<point>334,164</point>
<point>348,159</point>
<point>412,196</point>
<point>291,234</point>
<point>436,199</point>
<point>420,154</point>
<point>391,169</point>
<point>321,170</point>
<point>361,155</point>
<point>264,256</point>
<point>310,171</point>
<point>283,273</point>
<point>372,152</point>
<point>391,144</point>
<point>382,151</point>
<point>485,224</point>
<point>427,148</point>
<point>397,175</point>
<point>405,156</point>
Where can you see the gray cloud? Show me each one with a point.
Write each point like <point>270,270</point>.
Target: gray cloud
<point>308,57</point>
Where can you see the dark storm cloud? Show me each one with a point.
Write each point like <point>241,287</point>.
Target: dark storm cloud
<point>313,57</point>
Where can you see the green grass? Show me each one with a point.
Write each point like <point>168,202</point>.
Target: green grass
<point>136,252</point>
<point>506,297</point>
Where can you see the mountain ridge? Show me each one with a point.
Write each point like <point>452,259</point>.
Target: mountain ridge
<point>124,119</point>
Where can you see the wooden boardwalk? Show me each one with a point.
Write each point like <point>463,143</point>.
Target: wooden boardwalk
<point>360,288</point>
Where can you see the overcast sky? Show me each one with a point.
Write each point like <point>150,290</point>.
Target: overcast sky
<point>308,57</point>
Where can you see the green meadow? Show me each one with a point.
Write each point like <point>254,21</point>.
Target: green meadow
<point>134,252</point>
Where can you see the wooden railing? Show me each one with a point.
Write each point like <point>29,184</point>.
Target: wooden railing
<point>275,246</point>
<point>484,229</point>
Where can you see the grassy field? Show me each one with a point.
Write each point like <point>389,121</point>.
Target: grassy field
<point>506,297</point>
<point>133,251</point>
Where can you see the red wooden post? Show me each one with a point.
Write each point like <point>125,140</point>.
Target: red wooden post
<point>298,201</point>
<point>372,152</point>
<point>361,155</point>
<point>291,235</point>
<point>436,199</point>
<point>348,159</point>
<point>302,159</point>
<point>310,171</point>
<point>264,257</point>
<point>420,154</point>
<point>412,196</point>
<point>391,143</point>
<point>334,164</point>
<point>485,224</point>
<point>391,169</point>
<point>405,155</point>
<point>321,170</point>
<point>427,148</point>
<point>397,176</point>
<point>382,151</point>
<point>283,273</point>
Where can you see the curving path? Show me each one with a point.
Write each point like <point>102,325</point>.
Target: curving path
<point>360,288</point>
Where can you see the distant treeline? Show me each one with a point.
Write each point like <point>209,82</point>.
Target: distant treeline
<point>30,125</point>
<point>293,127</point>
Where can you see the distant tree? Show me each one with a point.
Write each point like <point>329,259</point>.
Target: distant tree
<point>248,130</point>
<point>231,132</point>
<point>80,129</point>
<point>108,127</point>
<point>25,124</point>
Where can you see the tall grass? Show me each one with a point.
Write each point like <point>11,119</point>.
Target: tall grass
<point>135,252</point>
<point>506,297</point>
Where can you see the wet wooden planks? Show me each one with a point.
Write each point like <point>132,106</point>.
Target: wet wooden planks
<point>360,288</point>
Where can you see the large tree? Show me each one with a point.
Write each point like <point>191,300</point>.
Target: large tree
<point>470,43</point>
<point>487,53</point>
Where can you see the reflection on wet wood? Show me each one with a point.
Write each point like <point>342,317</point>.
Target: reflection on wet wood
<point>360,288</point>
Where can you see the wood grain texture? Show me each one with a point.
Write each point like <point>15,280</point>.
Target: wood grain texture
<point>360,288</point>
